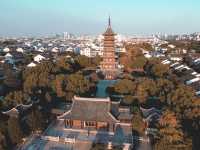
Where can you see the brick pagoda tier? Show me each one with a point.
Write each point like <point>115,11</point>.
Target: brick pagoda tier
<point>109,65</point>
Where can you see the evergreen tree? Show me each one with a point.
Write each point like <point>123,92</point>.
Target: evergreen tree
<point>14,130</point>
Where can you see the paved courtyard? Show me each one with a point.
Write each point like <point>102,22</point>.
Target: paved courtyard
<point>81,138</point>
<point>40,144</point>
<point>58,130</point>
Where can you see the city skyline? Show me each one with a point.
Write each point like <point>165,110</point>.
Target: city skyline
<point>42,18</point>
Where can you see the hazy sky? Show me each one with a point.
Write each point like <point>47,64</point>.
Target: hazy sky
<point>47,17</point>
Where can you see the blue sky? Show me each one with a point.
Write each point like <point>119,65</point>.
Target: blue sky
<point>48,17</point>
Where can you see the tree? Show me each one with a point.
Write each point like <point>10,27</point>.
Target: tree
<point>96,60</point>
<point>138,124</point>
<point>149,65</point>
<point>35,120</point>
<point>138,63</point>
<point>133,50</point>
<point>14,130</point>
<point>169,119</point>
<point>59,85</point>
<point>2,141</point>
<point>156,69</point>
<point>38,77</point>
<point>63,65</point>
<point>134,58</point>
<point>126,88</point>
<point>165,87</point>
<point>146,46</point>
<point>159,70</point>
<point>185,104</point>
<point>181,100</point>
<point>83,61</point>
<point>30,82</point>
<point>12,79</point>
<point>146,88</point>
<point>15,98</point>
<point>163,144</point>
<point>77,84</point>
<point>170,133</point>
<point>193,114</point>
<point>195,45</point>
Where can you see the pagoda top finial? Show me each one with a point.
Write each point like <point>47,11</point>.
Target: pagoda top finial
<point>109,29</point>
<point>109,21</point>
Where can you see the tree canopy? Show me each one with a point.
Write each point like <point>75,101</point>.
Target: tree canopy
<point>171,135</point>
<point>14,130</point>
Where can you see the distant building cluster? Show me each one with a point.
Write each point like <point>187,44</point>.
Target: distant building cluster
<point>195,37</point>
<point>144,39</point>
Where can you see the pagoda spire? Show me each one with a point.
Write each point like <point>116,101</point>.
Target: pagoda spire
<point>109,22</point>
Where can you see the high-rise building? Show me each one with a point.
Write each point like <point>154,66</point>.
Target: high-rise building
<point>67,36</point>
<point>109,65</point>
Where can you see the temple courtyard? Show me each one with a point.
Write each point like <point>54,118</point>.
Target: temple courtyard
<point>56,137</point>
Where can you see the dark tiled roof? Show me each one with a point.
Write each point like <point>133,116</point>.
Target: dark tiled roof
<point>196,86</point>
<point>57,111</point>
<point>91,109</point>
<point>125,115</point>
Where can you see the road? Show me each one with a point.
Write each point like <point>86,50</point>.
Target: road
<point>144,146</point>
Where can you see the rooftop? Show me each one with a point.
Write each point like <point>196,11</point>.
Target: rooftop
<point>90,109</point>
<point>91,99</point>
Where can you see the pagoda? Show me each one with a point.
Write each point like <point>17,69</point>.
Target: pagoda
<point>109,65</point>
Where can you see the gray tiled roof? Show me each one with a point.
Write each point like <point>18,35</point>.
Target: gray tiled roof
<point>91,109</point>
<point>125,115</point>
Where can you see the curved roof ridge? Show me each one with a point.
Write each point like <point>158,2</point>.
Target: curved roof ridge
<point>107,99</point>
<point>13,109</point>
<point>113,117</point>
<point>63,115</point>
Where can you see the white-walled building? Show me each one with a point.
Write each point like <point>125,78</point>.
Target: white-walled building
<point>86,52</point>
<point>32,64</point>
<point>69,49</point>
<point>90,52</point>
<point>38,58</point>
<point>147,55</point>
<point>192,81</point>
<point>8,55</point>
<point>21,50</point>
<point>9,58</point>
<point>55,50</point>
<point>176,58</point>
<point>6,50</point>
<point>121,50</point>
<point>171,46</point>
<point>41,49</point>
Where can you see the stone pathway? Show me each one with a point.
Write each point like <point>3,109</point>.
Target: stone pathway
<point>101,87</point>
<point>81,145</point>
